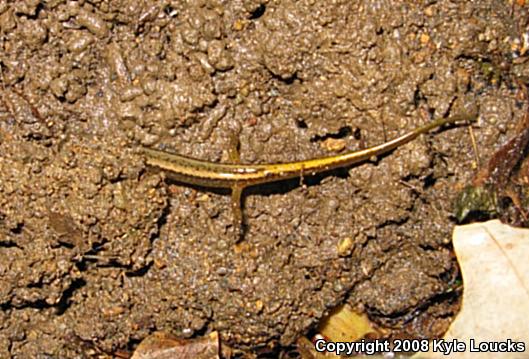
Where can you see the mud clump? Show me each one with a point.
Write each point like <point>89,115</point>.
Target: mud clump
<point>97,252</point>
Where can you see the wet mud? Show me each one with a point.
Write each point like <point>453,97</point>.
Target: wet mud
<point>97,251</point>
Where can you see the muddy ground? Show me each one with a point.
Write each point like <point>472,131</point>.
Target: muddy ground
<point>97,251</point>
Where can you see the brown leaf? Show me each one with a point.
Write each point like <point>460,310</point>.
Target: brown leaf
<point>162,345</point>
<point>500,188</point>
<point>344,325</point>
<point>495,269</point>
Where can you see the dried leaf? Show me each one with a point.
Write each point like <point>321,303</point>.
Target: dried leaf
<point>307,351</point>
<point>500,187</point>
<point>166,346</point>
<point>344,325</point>
<point>493,259</point>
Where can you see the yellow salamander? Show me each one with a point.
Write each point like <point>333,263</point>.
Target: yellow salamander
<point>239,176</point>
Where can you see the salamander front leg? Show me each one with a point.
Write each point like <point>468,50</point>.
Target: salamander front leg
<point>236,205</point>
